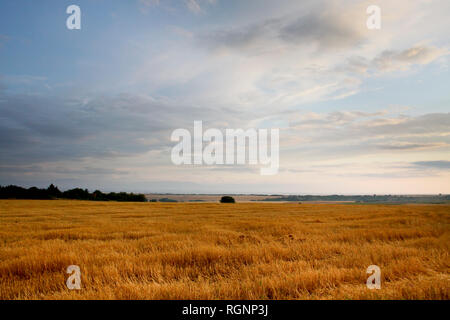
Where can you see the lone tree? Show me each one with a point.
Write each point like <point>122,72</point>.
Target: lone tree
<point>227,199</point>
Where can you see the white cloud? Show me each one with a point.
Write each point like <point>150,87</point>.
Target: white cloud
<point>193,6</point>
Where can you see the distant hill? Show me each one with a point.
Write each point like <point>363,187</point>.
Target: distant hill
<point>365,198</point>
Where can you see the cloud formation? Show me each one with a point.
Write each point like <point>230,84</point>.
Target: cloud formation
<point>320,28</point>
<point>311,68</point>
<point>390,60</point>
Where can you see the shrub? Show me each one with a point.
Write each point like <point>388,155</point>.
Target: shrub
<point>227,199</point>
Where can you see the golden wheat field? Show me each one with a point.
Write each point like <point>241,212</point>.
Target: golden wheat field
<point>223,251</point>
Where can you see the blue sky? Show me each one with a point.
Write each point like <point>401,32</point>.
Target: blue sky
<point>360,111</point>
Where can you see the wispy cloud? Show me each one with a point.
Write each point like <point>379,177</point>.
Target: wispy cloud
<point>441,165</point>
<point>320,29</point>
<point>194,6</point>
<point>145,5</point>
<point>391,60</point>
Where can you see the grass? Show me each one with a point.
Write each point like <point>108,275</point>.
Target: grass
<point>223,251</point>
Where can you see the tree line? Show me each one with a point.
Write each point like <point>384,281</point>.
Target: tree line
<point>52,192</point>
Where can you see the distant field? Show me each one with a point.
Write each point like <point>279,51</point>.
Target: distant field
<point>206,197</point>
<point>338,199</point>
<point>223,251</point>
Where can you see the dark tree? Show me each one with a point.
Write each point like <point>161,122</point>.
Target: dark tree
<point>227,199</point>
<point>53,191</point>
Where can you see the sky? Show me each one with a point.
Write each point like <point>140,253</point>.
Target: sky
<point>359,111</point>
